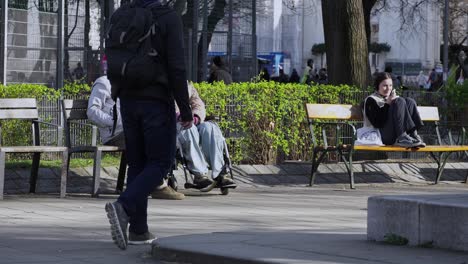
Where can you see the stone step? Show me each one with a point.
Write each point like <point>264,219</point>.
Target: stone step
<point>420,220</point>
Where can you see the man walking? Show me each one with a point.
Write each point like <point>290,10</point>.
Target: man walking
<point>100,112</point>
<point>147,72</point>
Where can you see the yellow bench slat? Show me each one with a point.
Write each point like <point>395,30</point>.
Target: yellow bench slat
<point>432,148</point>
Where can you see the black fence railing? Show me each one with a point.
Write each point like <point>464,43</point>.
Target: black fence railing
<point>450,125</point>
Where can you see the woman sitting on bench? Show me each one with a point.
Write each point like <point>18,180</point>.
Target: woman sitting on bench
<point>396,117</point>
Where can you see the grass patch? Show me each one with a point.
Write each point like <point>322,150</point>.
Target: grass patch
<point>108,160</point>
<point>396,240</point>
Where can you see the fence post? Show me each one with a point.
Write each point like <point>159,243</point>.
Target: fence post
<point>194,42</point>
<point>4,30</point>
<point>60,42</point>
<point>254,38</point>
<point>229,38</point>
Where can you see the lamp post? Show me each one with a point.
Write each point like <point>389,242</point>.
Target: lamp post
<point>446,14</point>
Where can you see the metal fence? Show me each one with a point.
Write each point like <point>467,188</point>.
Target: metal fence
<point>50,111</point>
<point>31,42</point>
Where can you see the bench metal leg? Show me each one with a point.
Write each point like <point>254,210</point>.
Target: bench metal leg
<point>315,164</point>
<point>64,174</point>
<point>34,172</point>
<point>349,167</point>
<point>2,173</point>
<point>96,173</point>
<point>122,171</point>
<point>441,162</point>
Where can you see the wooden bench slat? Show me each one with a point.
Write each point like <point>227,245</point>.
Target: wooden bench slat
<point>19,114</point>
<point>333,111</point>
<point>78,103</point>
<point>354,112</point>
<point>18,103</point>
<point>76,109</point>
<point>76,114</point>
<point>31,149</point>
<point>429,113</point>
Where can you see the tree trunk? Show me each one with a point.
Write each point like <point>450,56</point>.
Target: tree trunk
<point>346,42</point>
<point>216,14</point>
<point>367,7</point>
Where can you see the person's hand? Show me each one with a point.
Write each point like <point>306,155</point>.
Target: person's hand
<point>186,124</point>
<point>391,97</point>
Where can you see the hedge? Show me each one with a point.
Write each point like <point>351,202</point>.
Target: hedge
<point>263,121</point>
<point>17,132</point>
<point>267,118</point>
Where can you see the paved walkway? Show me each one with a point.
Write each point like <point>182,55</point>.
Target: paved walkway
<point>270,218</point>
<point>288,174</point>
<point>250,225</point>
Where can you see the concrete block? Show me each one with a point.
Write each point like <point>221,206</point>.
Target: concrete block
<point>435,220</point>
<point>444,225</point>
<point>392,215</point>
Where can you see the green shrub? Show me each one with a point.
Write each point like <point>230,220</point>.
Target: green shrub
<point>260,120</point>
<point>457,94</point>
<point>17,132</point>
<point>268,116</point>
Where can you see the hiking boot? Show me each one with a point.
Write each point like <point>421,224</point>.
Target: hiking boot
<point>202,181</point>
<point>118,220</point>
<point>406,141</point>
<point>140,239</point>
<point>416,136</point>
<point>167,193</point>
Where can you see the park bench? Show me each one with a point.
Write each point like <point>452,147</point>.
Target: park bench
<point>26,109</point>
<point>342,119</point>
<point>74,112</point>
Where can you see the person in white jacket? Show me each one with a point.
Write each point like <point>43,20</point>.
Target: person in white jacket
<point>100,112</point>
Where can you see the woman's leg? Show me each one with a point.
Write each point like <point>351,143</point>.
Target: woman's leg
<point>399,121</point>
<point>414,114</point>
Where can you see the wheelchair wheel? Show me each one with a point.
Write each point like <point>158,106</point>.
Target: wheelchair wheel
<point>172,182</point>
<point>224,191</point>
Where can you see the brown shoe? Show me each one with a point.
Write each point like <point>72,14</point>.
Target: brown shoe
<point>167,193</point>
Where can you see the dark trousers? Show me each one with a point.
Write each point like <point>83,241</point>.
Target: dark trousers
<point>403,116</point>
<point>150,139</point>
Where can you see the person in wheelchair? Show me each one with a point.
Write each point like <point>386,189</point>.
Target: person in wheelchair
<point>202,146</point>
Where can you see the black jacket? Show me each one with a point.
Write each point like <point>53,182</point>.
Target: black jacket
<point>376,115</point>
<point>170,46</point>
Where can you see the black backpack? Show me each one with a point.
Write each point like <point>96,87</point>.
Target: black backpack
<point>133,62</point>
